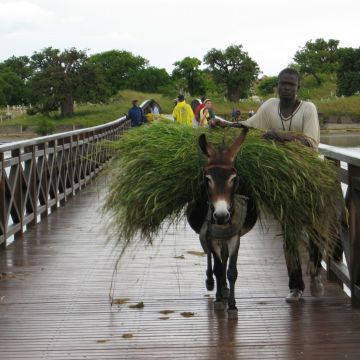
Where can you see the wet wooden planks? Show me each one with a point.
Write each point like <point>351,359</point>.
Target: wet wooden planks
<point>55,302</point>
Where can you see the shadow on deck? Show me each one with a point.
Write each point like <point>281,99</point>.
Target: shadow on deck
<point>54,299</point>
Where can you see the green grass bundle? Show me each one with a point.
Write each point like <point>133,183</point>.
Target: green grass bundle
<point>157,172</point>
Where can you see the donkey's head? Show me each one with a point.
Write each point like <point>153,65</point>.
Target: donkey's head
<point>221,177</point>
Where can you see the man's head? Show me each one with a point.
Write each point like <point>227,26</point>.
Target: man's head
<point>288,84</point>
<point>181,97</point>
<point>208,103</point>
<point>135,102</point>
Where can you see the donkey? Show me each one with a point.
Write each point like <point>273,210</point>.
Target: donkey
<point>221,216</point>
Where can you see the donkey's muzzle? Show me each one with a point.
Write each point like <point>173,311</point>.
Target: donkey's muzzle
<point>221,218</point>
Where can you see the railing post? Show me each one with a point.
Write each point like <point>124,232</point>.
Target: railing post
<point>61,172</point>
<point>67,166</point>
<point>43,180</point>
<point>3,210</point>
<point>71,166</point>
<point>53,175</point>
<point>354,219</point>
<point>32,184</point>
<point>17,210</point>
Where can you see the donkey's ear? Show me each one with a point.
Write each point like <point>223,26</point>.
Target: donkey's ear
<point>235,147</point>
<point>208,149</point>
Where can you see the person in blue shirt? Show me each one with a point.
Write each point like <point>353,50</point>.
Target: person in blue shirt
<point>136,115</point>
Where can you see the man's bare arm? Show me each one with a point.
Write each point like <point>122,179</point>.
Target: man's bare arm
<point>282,136</point>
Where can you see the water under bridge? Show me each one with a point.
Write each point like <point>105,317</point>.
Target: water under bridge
<point>55,276</point>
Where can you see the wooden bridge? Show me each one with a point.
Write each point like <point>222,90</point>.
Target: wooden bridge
<point>55,277</point>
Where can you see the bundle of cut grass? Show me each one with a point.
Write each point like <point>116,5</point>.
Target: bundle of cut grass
<point>157,172</point>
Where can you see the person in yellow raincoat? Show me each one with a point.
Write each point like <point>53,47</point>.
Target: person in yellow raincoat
<point>182,112</point>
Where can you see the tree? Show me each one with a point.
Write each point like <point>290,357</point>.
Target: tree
<point>14,72</point>
<point>20,66</point>
<point>233,68</point>
<point>119,67</point>
<point>12,88</point>
<point>150,79</point>
<point>318,57</point>
<point>348,74</point>
<point>60,78</point>
<point>267,85</point>
<point>187,72</point>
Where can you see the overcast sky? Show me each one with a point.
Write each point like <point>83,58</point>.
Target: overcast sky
<point>166,31</point>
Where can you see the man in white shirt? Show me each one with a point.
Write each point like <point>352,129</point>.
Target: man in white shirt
<point>282,116</point>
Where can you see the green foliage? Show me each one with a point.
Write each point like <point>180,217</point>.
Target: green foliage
<point>267,85</point>
<point>32,111</point>
<point>45,127</point>
<point>233,68</point>
<point>60,78</point>
<point>20,66</point>
<point>348,74</point>
<point>118,68</point>
<point>347,106</point>
<point>151,79</point>
<point>13,90</point>
<point>311,90</point>
<point>92,86</point>
<point>157,172</point>
<point>318,57</point>
<point>189,76</point>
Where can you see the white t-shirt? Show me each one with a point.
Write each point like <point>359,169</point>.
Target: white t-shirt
<point>155,110</point>
<point>303,120</point>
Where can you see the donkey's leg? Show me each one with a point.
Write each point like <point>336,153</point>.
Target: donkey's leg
<point>224,259</point>
<point>218,271</point>
<point>209,274</point>
<point>232,274</point>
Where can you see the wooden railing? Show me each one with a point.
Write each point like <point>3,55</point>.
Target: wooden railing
<point>347,272</point>
<point>38,175</point>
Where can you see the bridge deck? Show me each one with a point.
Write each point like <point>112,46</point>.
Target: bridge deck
<point>54,299</point>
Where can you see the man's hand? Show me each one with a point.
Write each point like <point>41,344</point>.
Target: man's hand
<point>239,125</point>
<point>216,122</point>
<point>282,136</point>
<point>278,136</point>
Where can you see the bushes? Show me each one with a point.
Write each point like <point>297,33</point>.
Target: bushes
<point>267,85</point>
<point>45,127</point>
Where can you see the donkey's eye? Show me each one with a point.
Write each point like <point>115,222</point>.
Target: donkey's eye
<point>208,180</point>
<point>231,179</point>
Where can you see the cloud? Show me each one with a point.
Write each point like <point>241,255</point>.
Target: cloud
<point>18,15</point>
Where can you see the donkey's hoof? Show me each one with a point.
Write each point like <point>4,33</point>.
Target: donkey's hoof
<point>233,314</point>
<point>209,284</point>
<point>226,293</point>
<point>219,305</point>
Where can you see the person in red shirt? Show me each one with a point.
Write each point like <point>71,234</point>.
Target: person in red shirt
<point>198,109</point>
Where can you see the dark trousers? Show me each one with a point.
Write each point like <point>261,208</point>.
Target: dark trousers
<point>293,264</point>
